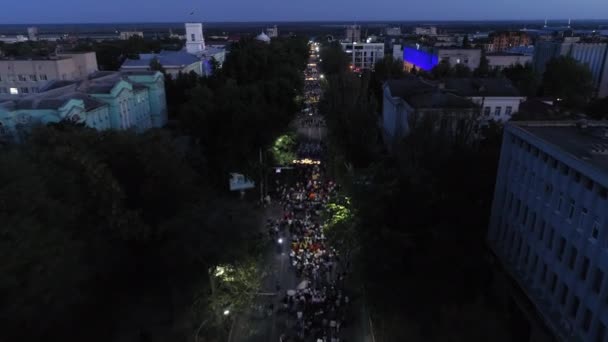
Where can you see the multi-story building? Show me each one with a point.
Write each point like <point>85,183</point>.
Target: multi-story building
<point>174,62</point>
<point>548,227</point>
<point>364,55</point>
<point>407,100</point>
<point>353,33</point>
<point>594,55</point>
<point>272,32</point>
<point>426,58</point>
<point>503,41</point>
<point>126,35</point>
<point>104,100</point>
<point>501,60</point>
<point>32,33</point>
<point>426,31</point>
<point>23,76</point>
<point>393,31</point>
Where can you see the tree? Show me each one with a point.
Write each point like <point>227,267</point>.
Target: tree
<point>334,59</point>
<point>461,70</point>
<point>441,70</point>
<point>156,66</point>
<point>523,77</point>
<point>597,109</point>
<point>569,81</point>
<point>484,66</point>
<point>466,43</point>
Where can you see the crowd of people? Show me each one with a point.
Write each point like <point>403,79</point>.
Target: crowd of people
<point>316,309</point>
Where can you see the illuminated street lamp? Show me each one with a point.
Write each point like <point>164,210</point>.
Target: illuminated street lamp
<point>226,312</point>
<point>321,76</point>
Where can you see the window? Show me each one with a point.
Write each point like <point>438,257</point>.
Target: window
<point>543,274</point>
<point>24,90</point>
<point>600,333</point>
<point>497,111</point>
<point>192,37</point>
<point>13,91</point>
<point>586,323</point>
<point>598,277</point>
<point>548,189</point>
<point>487,111</point>
<point>42,77</point>
<point>22,77</point>
<point>561,247</point>
<point>534,262</point>
<point>574,306</point>
<point>577,177</point>
<point>517,207</point>
<point>560,201</point>
<point>541,233</point>
<point>571,209</point>
<point>553,282</point>
<point>3,90</point>
<point>588,184</point>
<point>584,268</point>
<point>550,239</point>
<point>573,255</point>
<point>581,218</point>
<point>524,218</point>
<point>564,169</point>
<point>510,201</point>
<point>564,294</point>
<point>508,110</point>
<point>34,89</point>
<point>603,192</point>
<point>595,229</point>
<point>532,221</point>
<point>33,78</point>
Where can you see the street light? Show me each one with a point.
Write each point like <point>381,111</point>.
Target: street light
<point>226,312</point>
<point>321,76</point>
<point>280,241</point>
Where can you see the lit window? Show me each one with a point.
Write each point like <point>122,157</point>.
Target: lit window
<point>14,91</point>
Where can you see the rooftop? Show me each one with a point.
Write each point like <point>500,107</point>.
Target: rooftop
<point>420,94</point>
<point>587,142</point>
<point>481,87</point>
<point>165,58</point>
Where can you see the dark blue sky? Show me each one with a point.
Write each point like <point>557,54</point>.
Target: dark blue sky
<point>82,11</point>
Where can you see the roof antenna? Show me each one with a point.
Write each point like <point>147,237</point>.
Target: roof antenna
<point>545,22</point>
<point>568,22</point>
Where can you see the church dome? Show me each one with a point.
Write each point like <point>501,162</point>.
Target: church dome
<point>263,37</point>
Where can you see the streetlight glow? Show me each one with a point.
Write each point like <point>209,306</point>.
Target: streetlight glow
<point>280,241</point>
<point>226,312</point>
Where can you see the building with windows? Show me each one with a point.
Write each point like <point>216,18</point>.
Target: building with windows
<point>426,31</point>
<point>353,34</point>
<point>364,55</point>
<point>126,35</point>
<point>272,32</point>
<point>32,33</point>
<point>497,97</point>
<point>24,76</point>
<point>548,227</point>
<point>174,62</point>
<point>407,100</point>
<point>104,100</point>
<point>503,41</point>
<point>501,60</point>
<point>393,31</point>
<point>426,58</point>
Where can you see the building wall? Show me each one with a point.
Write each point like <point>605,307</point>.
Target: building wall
<point>27,76</point>
<point>505,40</point>
<point>469,57</point>
<point>395,113</point>
<point>548,228</point>
<point>364,55</point>
<point>592,55</point>
<point>498,108</point>
<point>504,61</point>
<point>156,96</point>
<point>85,63</point>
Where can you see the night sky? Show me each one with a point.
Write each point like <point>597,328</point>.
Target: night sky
<point>83,11</point>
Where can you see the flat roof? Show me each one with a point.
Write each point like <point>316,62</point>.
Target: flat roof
<point>588,144</point>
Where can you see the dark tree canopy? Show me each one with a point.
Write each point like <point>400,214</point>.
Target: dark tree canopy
<point>523,77</point>
<point>568,80</point>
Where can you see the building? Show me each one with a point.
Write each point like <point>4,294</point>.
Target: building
<point>425,31</point>
<point>21,76</point>
<point>174,62</point>
<point>505,40</point>
<point>405,101</point>
<point>353,34</point>
<point>13,39</point>
<point>272,32</point>
<point>497,97</point>
<point>501,60</point>
<point>104,100</point>
<point>393,31</point>
<point>196,57</point>
<point>32,33</point>
<point>426,58</point>
<point>195,41</point>
<point>126,35</point>
<point>594,55</point>
<point>548,227</point>
<point>364,55</point>
<point>263,37</point>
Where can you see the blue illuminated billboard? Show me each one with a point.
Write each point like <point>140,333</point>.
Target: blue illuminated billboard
<point>421,59</point>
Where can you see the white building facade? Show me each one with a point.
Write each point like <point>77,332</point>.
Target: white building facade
<point>548,226</point>
<point>21,77</point>
<point>505,60</point>
<point>364,55</point>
